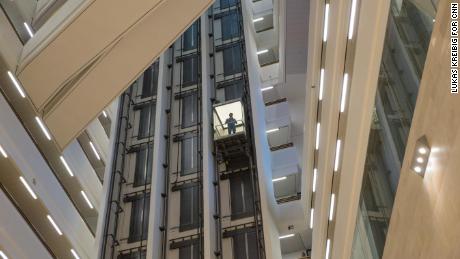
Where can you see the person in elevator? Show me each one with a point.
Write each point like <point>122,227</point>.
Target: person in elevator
<point>231,123</point>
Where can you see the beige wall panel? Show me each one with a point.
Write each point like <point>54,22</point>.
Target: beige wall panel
<point>425,219</point>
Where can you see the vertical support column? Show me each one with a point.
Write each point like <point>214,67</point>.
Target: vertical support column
<point>155,236</point>
<point>209,234</point>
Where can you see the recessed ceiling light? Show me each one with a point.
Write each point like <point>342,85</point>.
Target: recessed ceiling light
<point>31,192</point>
<point>66,166</point>
<point>54,225</point>
<point>279,179</point>
<point>422,150</point>
<point>104,113</point>
<point>29,30</point>
<point>418,169</point>
<point>4,154</point>
<point>331,208</point>
<point>42,126</point>
<point>337,155</point>
<point>258,19</point>
<point>262,51</point>
<point>321,84</point>
<point>351,28</point>
<point>419,160</point>
<point>286,236</point>
<point>266,88</point>
<point>318,127</point>
<point>16,84</point>
<point>3,255</point>
<point>86,199</point>
<point>311,217</point>
<point>326,22</point>
<point>75,255</point>
<point>272,130</point>
<point>94,150</point>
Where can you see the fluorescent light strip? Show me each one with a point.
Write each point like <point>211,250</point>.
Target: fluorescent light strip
<point>331,208</point>
<point>31,192</point>
<point>94,150</point>
<point>104,113</point>
<point>75,255</point>
<point>266,88</point>
<point>272,130</point>
<point>318,126</point>
<point>337,155</point>
<point>344,92</point>
<point>42,126</point>
<point>315,172</point>
<point>312,211</point>
<point>3,255</point>
<point>352,20</point>
<point>286,236</point>
<point>66,166</point>
<point>29,30</point>
<point>3,152</point>
<point>321,84</point>
<point>326,22</point>
<point>279,179</point>
<point>258,19</point>
<point>262,51</point>
<point>86,199</point>
<point>328,247</point>
<point>54,225</point>
<point>16,84</point>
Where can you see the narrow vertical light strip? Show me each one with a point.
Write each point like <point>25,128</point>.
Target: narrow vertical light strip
<point>321,84</point>
<point>328,247</point>
<point>66,166</point>
<point>31,192</point>
<point>42,126</point>
<point>315,172</point>
<point>86,199</point>
<point>29,30</point>
<point>337,155</point>
<point>3,255</point>
<point>94,150</point>
<point>16,84</point>
<point>75,255</point>
<point>312,212</point>
<point>344,92</point>
<point>54,225</point>
<point>4,154</point>
<point>104,113</point>
<point>318,127</point>
<point>326,22</point>
<point>352,20</point>
<point>331,208</point>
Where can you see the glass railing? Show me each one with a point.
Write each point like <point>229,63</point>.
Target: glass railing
<point>222,131</point>
<point>405,48</point>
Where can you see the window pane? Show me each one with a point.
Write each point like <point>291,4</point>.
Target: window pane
<point>241,196</point>
<point>190,70</point>
<point>139,219</point>
<point>143,170</point>
<point>191,37</point>
<point>133,255</point>
<point>230,27</point>
<point>189,110</point>
<point>227,3</point>
<point>146,121</point>
<point>189,252</point>
<point>189,155</point>
<point>234,91</point>
<point>188,208</point>
<point>232,60</point>
<point>239,247</point>
<point>150,81</point>
<point>252,245</point>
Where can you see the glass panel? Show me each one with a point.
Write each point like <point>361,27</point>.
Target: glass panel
<point>189,163</point>
<point>143,170</point>
<point>190,70</point>
<point>146,121</point>
<point>406,44</point>
<point>189,110</point>
<point>188,208</point>
<point>133,255</point>
<point>241,196</point>
<point>189,252</point>
<point>138,226</point>
<point>245,246</point>
<point>234,91</point>
<point>227,3</point>
<point>191,37</point>
<point>232,60</point>
<point>230,26</point>
<point>150,81</point>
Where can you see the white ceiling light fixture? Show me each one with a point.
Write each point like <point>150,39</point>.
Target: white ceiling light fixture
<point>351,27</point>
<point>272,130</point>
<point>287,236</point>
<point>86,199</point>
<point>344,92</point>
<point>66,166</point>
<point>318,127</point>
<point>337,155</point>
<point>16,84</point>
<point>263,51</point>
<point>42,126</point>
<point>29,30</point>
<point>104,113</point>
<point>4,154</point>
<point>28,188</point>
<point>3,255</point>
<point>328,248</point>
<point>321,84</point>
<point>258,19</point>
<point>51,220</point>
<point>75,255</point>
<point>421,156</point>
<point>312,212</point>
<point>315,172</point>
<point>326,22</point>
<point>94,150</point>
<point>279,179</point>
<point>331,208</point>
<point>266,88</point>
